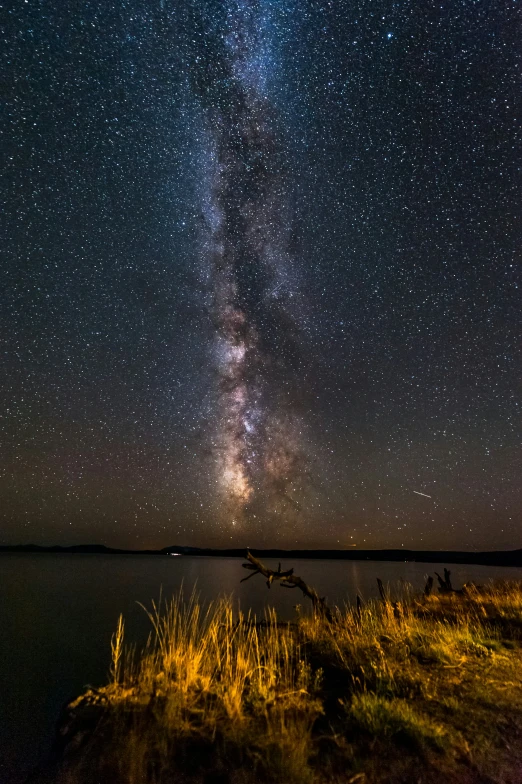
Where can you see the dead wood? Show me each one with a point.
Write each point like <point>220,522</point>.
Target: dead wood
<point>382,591</point>
<point>445,584</point>
<point>288,580</point>
<point>259,568</point>
<point>429,586</point>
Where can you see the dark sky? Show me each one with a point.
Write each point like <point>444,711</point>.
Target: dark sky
<point>260,274</point>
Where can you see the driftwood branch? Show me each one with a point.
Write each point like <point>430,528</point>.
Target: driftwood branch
<point>249,576</point>
<point>445,584</point>
<point>288,580</point>
<point>429,586</point>
<point>259,568</point>
<point>382,591</point>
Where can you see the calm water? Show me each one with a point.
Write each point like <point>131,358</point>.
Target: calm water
<point>57,614</point>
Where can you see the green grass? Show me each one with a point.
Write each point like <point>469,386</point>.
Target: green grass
<point>427,689</point>
<point>384,717</point>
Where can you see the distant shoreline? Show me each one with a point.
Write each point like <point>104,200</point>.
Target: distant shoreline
<point>493,558</point>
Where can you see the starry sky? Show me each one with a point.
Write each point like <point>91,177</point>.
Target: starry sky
<point>261,273</point>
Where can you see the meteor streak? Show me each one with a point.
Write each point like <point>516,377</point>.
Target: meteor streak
<point>424,494</point>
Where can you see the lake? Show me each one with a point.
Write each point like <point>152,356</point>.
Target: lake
<point>58,612</point>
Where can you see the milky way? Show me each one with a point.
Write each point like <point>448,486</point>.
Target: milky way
<point>257,446</point>
<point>262,264</point>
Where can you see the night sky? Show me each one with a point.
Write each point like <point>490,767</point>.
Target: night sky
<point>260,273</point>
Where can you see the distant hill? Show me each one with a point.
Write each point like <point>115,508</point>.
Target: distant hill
<point>95,549</point>
<point>494,558</point>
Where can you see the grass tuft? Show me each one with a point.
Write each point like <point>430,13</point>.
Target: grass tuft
<point>397,719</point>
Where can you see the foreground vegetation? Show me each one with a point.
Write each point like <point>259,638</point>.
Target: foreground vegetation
<point>424,689</point>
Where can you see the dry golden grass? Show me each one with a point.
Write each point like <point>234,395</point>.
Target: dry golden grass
<point>409,692</point>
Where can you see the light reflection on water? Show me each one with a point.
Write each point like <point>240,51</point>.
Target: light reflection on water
<point>58,612</point>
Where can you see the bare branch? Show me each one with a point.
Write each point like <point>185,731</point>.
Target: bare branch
<point>429,586</point>
<point>249,576</point>
<point>265,571</point>
<point>382,591</point>
<point>288,580</point>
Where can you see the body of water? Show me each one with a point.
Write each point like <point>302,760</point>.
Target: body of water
<point>58,612</point>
